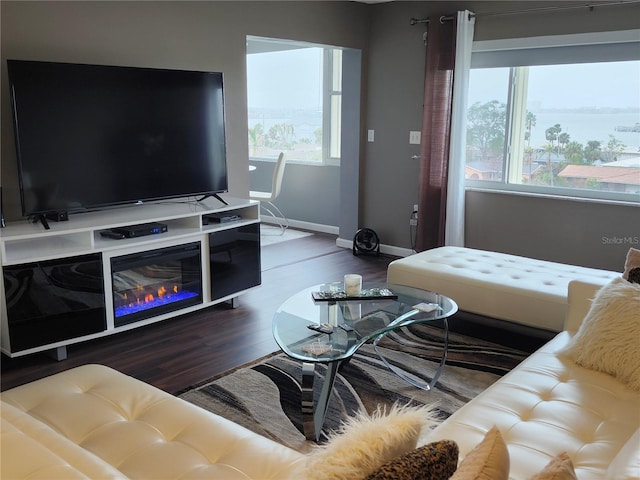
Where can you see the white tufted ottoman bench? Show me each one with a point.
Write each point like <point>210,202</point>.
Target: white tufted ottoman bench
<point>507,287</point>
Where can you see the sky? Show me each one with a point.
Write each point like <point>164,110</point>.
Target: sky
<point>613,84</point>
<point>274,83</point>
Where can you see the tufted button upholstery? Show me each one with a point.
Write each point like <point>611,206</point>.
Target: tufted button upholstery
<point>128,429</point>
<point>508,287</point>
<point>548,405</point>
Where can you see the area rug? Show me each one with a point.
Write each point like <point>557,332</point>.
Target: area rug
<point>265,396</point>
<point>270,235</point>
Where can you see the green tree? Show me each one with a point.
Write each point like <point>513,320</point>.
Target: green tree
<point>529,123</point>
<point>563,140</point>
<point>592,152</point>
<point>549,148</point>
<point>614,148</point>
<point>282,135</point>
<point>256,138</point>
<point>552,133</point>
<point>574,153</point>
<point>485,127</point>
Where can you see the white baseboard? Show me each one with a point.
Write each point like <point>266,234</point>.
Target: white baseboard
<point>387,249</point>
<point>312,227</point>
<point>340,242</point>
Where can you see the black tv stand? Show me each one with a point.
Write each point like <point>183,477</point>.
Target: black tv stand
<point>214,195</point>
<point>218,197</point>
<point>42,219</point>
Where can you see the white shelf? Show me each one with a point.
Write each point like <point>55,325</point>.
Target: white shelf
<point>30,242</point>
<point>24,243</point>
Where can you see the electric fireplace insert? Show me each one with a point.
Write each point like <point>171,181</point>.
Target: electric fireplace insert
<point>151,283</point>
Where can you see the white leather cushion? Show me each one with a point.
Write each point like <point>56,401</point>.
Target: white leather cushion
<point>498,285</point>
<point>31,449</point>
<point>607,340</point>
<point>146,433</point>
<point>365,442</point>
<point>626,465</point>
<point>547,405</point>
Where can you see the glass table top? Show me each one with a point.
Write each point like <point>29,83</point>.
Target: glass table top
<point>365,318</point>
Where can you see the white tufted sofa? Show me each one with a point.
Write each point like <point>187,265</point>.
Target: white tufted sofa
<point>548,404</point>
<point>497,285</point>
<point>94,422</point>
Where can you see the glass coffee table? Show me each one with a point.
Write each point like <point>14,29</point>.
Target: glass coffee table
<point>350,323</point>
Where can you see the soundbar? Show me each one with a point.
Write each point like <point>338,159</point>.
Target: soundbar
<point>141,230</point>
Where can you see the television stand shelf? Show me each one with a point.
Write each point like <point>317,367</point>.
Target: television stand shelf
<point>42,310</point>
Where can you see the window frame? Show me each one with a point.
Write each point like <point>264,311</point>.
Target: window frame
<point>580,47</point>
<point>328,93</point>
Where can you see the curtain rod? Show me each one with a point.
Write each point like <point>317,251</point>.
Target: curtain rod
<point>590,6</point>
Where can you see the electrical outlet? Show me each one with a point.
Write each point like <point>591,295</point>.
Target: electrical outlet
<point>370,135</point>
<point>413,222</point>
<point>414,137</point>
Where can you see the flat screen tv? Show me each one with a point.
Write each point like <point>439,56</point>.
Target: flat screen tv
<point>94,136</point>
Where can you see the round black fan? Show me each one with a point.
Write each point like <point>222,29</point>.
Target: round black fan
<point>366,242</point>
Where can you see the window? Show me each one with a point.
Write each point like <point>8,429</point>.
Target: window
<point>540,123</point>
<point>294,100</point>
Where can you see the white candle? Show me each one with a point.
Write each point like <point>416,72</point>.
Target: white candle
<point>352,284</point>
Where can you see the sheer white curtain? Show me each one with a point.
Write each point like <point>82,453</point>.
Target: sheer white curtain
<point>454,226</point>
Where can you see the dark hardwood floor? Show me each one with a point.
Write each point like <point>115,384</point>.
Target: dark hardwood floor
<point>189,349</point>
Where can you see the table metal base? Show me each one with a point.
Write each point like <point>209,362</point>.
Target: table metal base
<point>313,415</point>
<point>407,377</point>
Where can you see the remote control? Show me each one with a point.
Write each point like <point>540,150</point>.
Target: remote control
<point>345,327</point>
<point>322,328</point>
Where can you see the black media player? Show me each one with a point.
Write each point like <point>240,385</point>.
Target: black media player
<point>141,230</point>
<point>220,218</point>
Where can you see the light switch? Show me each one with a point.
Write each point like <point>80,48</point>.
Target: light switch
<point>414,138</point>
<point>370,135</point>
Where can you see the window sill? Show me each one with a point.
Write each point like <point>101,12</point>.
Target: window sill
<point>603,201</point>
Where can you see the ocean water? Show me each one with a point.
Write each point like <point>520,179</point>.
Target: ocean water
<point>584,127</point>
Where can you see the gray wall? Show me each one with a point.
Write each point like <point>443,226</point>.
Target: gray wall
<point>317,186</point>
<point>555,229</point>
<point>180,35</point>
<point>211,36</point>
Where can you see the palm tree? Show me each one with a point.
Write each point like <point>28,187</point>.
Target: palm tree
<point>530,122</point>
<point>592,151</point>
<point>574,153</point>
<point>563,140</point>
<point>256,138</point>
<point>549,148</point>
<point>282,135</point>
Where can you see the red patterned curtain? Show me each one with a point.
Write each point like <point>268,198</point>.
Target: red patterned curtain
<point>436,130</point>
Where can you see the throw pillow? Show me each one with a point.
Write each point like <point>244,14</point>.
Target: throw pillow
<point>632,261</point>
<point>365,442</point>
<point>434,461</point>
<point>489,460</point>
<point>607,340</point>
<point>634,275</point>
<point>559,468</point>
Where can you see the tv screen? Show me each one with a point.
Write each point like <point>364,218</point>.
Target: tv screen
<point>92,136</point>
